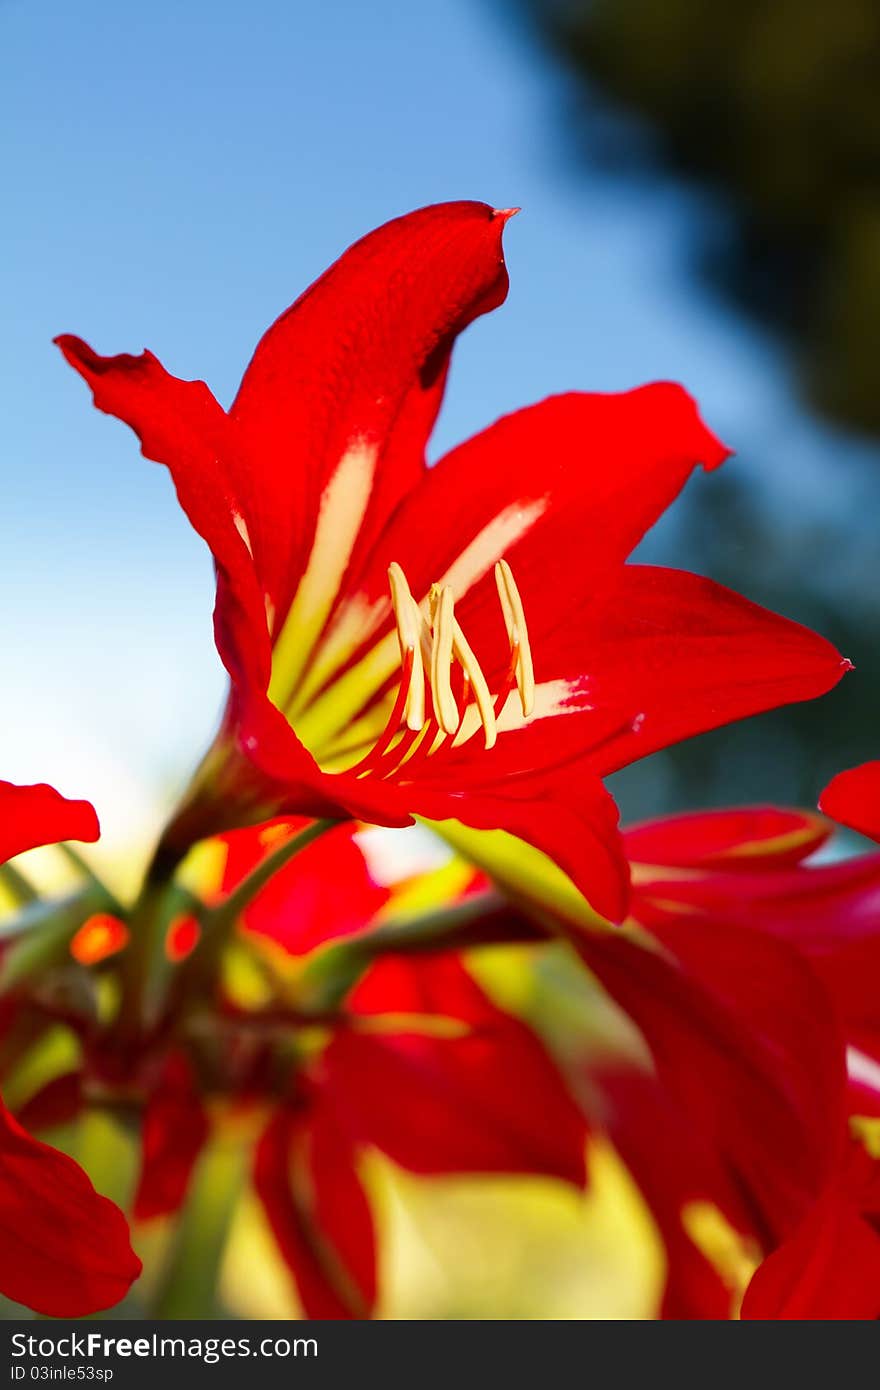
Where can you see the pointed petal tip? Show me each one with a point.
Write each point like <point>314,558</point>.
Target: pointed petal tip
<point>505,214</point>
<point>69,342</point>
<point>714,450</point>
<point>685,417</point>
<point>724,452</point>
<point>66,343</point>
<point>852,798</point>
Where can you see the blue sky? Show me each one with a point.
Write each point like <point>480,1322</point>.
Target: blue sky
<point>175,174</point>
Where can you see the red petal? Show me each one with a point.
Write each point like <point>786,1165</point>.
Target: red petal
<point>656,657</point>
<point>562,810</point>
<point>853,798</point>
<point>436,984</point>
<point>752,839</point>
<point>830,913</point>
<point>325,892</point>
<point>843,947</point>
<point>743,1036</point>
<point>175,1128</point>
<point>306,1178</point>
<point>662,656</point>
<point>32,816</point>
<point>828,1270</point>
<point>66,1251</point>
<point>568,815</point>
<point>689,655</point>
<point>564,489</point>
<point>674,1167</point>
<point>485,1098</point>
<point>359,361</point>
<point>361,357</point>
<point>56,1103</point>
<point>179,423</point>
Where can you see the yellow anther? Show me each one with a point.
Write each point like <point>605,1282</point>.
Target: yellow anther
<point>445,707</point>
<point>409,634</point>
<point>518,633</point>
<point>433,648</point>
<point>471,668</point>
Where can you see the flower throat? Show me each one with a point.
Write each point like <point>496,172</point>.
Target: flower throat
<point>441,678</point>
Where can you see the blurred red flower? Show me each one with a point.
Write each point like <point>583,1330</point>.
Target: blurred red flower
<point>419,1063</point>
<point>745,877</point>
<point>66,1249</point>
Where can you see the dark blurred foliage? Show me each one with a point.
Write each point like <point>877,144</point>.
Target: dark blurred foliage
<point>774,106</point>
<point>801,570</point>
<point>776,103</point>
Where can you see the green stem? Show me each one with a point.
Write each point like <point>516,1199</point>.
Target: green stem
<point>188,1288</point>
<point>20,888</point>
<point>226,913</point>
<point>147,972</point>
<point>42,932</point>
<point>84,868</point>
<point>218,922</point>
<point>144,968</point>
<point>333,970</point>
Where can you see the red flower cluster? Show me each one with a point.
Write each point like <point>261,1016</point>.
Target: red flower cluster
<point>785,953</point>
<point>466,645</point>
<point>418,1065</point>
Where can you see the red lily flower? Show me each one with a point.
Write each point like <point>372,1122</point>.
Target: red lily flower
<point>457,643</point>
<point>746,872</point>
<point>66,1249</point>
<point>418,1064</point>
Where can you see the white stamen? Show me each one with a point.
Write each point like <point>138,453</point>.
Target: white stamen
<point>445,708</point>
<point>517,631</point>
<point>473,671</point>
<point>409,624</point>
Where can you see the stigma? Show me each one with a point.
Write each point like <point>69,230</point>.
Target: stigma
<point>440,674</point>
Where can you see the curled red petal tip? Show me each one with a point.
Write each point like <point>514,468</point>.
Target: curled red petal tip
<point>505,213</point>
<point>716,451</point>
